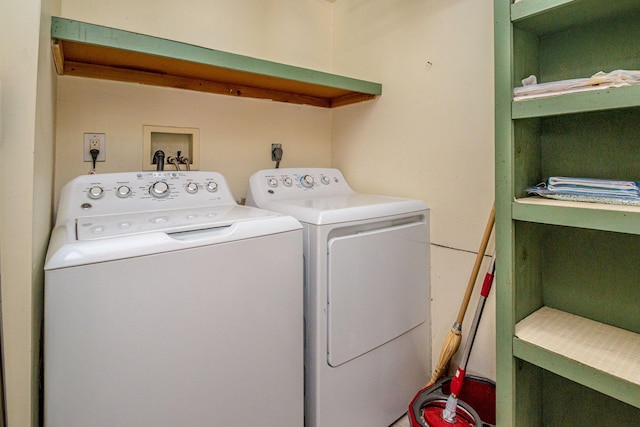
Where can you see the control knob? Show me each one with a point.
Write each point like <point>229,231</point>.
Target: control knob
<point>272,182</point>
<point>212,186</point>
<point>191,188</point>
<point>159,189</point>
<point>306,181</point>
<point>325,180</point>
<point>123,191</point>
<point>287,181</point>
<point>95,193</point>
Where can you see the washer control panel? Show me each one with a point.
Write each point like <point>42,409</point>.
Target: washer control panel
<point>292,183</point>
<point>121,193</point>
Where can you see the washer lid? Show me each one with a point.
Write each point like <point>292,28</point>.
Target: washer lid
<point>95,239</point>
<point>168,221</point>
<point>344,208</point>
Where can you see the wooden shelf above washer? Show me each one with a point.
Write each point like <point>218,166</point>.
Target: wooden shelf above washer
<point>94,51</point>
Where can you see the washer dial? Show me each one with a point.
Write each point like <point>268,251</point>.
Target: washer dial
<point>272,182</point>
<point>159,189</point>
<point>123,191</point>
<point>95,193</point>
<point>212,186</point>
<point>287,181</point>
<point>191,188</point>
<point>325,180</point>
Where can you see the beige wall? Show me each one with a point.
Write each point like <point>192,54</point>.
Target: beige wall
<point>294,32</point>
<point>235,134</point>
<point>26,147</point>
<point>429,136</point>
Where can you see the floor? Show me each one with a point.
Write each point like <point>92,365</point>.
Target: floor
<point>402,422</point>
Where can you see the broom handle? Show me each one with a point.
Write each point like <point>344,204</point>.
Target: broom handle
<point>476,266</point>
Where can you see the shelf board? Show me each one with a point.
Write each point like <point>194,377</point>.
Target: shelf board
<point>578,102</point>
<point>595,216</point>
<point>599,356</point>
<point>88,50</point>
<point>549,16</point>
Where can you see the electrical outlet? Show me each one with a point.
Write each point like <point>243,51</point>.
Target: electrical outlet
<point>95,141</point>
<point>273,154</point>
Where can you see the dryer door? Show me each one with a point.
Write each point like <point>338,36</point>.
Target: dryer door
<point>378,288</point>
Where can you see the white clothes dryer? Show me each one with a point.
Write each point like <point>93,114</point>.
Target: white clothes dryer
<point>167,304</point>
<point>367,347</point>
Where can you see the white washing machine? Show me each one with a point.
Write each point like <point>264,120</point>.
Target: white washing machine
<point>167,304</point>
<point>367,346</point>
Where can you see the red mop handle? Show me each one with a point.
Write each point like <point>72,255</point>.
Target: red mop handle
<point>486,287</point>
<point>488,279</point>
<point>457,381</point>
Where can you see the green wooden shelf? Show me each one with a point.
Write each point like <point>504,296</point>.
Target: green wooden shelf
<point>550,16</point>
<point>594,216</point>
<point>94,51</point>
<point>595,379</point>
<point>578,102</point>
<point>575,258</point>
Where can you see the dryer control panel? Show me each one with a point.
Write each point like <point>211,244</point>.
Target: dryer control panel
<point>132,192</point>
<point>292,183</point>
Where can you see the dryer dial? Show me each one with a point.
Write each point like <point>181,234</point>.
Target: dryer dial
<point>159,189</point>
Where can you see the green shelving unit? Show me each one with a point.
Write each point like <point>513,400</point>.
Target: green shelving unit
<point>88,50</point>
<point>568,283</point>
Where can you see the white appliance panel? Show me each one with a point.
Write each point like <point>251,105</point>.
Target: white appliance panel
<point>376,372</point>
<point>152,318</point>
<point>356,393</point>
<point>328,200</point>
<point>190,337</point>
<point>376,288</point>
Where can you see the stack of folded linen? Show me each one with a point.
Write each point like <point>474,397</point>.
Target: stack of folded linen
<point>532,89</point>
<point>589,190</point>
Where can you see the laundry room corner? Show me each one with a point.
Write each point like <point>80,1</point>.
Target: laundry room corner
<point>429,136</point>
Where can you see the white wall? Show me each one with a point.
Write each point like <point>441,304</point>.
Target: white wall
<point>429,136</point>
<point>26,147</point>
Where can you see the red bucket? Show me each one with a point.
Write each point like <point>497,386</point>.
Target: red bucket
<point>477,393</point>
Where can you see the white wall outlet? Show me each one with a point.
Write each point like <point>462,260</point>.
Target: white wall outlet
<point>95,140</point>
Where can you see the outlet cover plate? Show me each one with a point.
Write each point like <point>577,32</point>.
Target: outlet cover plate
<point>102,140</point>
